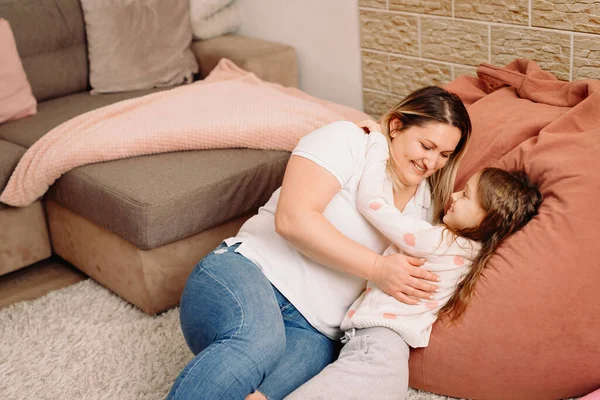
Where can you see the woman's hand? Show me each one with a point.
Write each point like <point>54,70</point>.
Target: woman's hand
<point>402,277</point>
<point>368,125</point>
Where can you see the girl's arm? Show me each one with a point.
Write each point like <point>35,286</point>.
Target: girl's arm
<point>306,191</point>
<point>411,235</point>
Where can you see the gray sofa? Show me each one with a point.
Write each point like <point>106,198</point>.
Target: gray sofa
<point>136,225</point>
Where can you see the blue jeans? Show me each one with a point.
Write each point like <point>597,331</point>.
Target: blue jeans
<point>245,335</point>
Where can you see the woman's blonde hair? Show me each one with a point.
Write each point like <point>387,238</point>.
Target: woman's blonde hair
<point>509,200</point>
<point>431,104</point>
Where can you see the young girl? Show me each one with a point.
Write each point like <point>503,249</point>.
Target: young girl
<point>379,329</point>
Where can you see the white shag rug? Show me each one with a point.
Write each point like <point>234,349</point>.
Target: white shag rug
<point>84,342</point>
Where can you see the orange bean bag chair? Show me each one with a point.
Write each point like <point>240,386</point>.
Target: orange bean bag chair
<point>532,329</point>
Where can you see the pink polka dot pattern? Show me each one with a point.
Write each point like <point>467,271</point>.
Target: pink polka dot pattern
<point>431,304</point>
<point>458,260</point>
<point>410,239</point>
<point>389,316</point>
<point>375,205</point>
<point>351,313</point>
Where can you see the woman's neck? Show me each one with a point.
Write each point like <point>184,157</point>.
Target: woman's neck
<point>402,195</point>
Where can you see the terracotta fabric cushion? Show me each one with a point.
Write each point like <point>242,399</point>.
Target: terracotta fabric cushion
<point>530,331</point>
<point>134,45</point>
<point>16,98</point>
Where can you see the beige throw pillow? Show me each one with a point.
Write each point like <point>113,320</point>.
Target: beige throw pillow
<point>138,44</point>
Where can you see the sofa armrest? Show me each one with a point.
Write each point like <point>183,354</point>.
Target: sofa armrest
<point>272,62</point>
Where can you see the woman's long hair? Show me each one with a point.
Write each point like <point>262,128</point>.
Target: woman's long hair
<point>431,104</point>
<point>509,201</point>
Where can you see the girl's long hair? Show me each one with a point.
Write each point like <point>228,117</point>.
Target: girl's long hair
<point>509,200</point>
<point>431,104</point>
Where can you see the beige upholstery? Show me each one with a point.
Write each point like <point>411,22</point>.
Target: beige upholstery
<point>10,154</point>
<point>23,237</point>
<point>271,62</point>
<point>138,45</point>
<point>23,234</point>
<point>151,279</point>
<point>158,199</point>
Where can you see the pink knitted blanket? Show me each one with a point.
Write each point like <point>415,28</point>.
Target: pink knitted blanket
<point>230,108</point>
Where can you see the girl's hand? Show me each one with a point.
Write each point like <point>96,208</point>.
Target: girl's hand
<point>368,125</point>
<point>402,277</point>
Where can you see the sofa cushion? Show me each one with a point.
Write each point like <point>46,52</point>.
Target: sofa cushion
<point>10,154</point>
<point>134,45</point>
<point>52,113</point>
<point>158,199</point>
<point>50,37</point>
<point>271,62</point>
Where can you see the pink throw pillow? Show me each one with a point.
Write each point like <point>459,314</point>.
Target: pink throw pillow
<point>16,98</point>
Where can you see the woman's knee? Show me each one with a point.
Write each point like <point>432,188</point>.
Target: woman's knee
<point>226,297</point>
<point>262,353</point>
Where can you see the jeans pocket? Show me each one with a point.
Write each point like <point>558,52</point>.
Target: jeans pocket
<point>290,313</point>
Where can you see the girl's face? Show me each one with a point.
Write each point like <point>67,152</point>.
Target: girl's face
<point>422,150</point>
<point>465,210</point>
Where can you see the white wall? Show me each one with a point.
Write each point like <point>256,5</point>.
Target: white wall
<point>326,36</point>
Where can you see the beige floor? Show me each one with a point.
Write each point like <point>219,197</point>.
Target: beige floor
<point>36,280</point>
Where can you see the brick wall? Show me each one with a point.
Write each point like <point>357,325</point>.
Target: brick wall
<point>407,44</point>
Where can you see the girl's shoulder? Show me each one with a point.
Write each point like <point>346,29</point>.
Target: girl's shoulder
<point>469,247</point>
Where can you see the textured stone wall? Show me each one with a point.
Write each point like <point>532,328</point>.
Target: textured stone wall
<point>407,44</point>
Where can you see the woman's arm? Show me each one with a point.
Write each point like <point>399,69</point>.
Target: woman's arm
<point>306,191</point>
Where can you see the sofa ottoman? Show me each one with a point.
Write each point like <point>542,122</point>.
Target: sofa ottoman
<point>139,225</point>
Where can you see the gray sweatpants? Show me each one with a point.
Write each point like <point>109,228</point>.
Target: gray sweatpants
<point>373,364</point>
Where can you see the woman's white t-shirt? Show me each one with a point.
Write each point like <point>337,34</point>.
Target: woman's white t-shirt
<point>322,294</point>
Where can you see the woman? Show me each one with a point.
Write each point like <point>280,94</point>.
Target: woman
<point>262,312</point>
